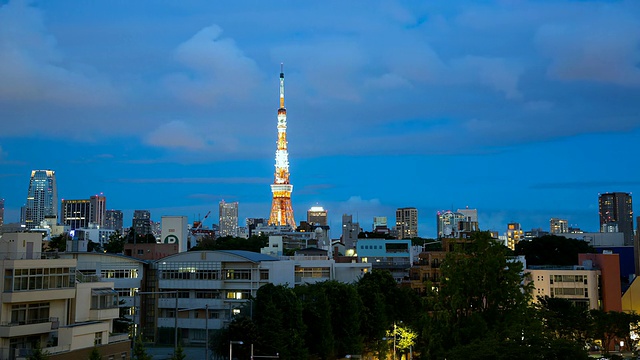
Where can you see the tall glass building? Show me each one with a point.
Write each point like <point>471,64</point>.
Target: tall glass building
<point>42,200</point>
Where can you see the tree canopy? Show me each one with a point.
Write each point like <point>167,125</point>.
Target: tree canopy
<point>552,250</point>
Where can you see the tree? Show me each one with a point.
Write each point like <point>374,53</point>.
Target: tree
<point>139,352</point>
<point>93,246</point>
<point>37,353</point>
<point>562,319</point>
<point>552,250</point>
<point>59,242</point>
<point>179,353</point>
<point>95,354</point>
<point>278,318</point>
<point>115,245</point>
<point>481,309</point>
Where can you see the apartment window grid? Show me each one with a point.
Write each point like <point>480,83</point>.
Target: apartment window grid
<point>35,313</point>
<point>39,279</point>
<point>97,340</point>
<point>119,274</point>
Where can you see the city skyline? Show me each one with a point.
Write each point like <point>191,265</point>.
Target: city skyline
<point>510,108</point>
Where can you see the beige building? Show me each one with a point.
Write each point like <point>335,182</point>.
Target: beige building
<point>46,301</point>
<point>578,284</point>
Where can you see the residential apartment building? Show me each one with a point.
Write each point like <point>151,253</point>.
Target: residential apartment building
<point>388,254</point>
<point>46,301</point>
<point>407,223</point>
<point>206,289</point>
<point>228,219</point>
<point>558,226</point>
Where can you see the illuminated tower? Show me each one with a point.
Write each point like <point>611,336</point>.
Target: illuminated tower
<point>281,210</point>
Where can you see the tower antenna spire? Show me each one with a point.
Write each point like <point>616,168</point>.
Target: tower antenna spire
<point>281,209</point>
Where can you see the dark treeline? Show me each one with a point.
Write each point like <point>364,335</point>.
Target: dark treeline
<point>481,310</point>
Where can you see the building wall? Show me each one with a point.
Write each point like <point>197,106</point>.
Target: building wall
<point>609,265</point>
<point>407,223</point>
<point>175,231</point>
<point>577,285</point>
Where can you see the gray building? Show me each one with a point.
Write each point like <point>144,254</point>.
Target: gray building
<point>616,214</point>
<point>141,222</point>
<point>42,198</point>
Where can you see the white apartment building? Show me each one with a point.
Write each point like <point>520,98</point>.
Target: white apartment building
<point>213,286</point>
<point>46,301</point>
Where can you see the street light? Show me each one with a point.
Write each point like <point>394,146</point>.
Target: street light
<point>231,348</point>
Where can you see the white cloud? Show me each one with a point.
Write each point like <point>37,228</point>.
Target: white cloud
<point>602,47</point>
<point>216,69</point>
<point>33,68</point>
<point>176,134</point>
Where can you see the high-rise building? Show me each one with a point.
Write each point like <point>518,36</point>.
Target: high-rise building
<point>228,219</point>
<point>113,220</point>
<point>558,226</point>
<point>317,215</point>
<point>76,214</point>
<point>1,211</point>
<point>350,231</point>
<point>616,214</point>
<point>281,209</point>
<point>407,222</point>
<point>42,198</point>
<point>141,222</point>
<point>98,209</point>
<point>514,235</point>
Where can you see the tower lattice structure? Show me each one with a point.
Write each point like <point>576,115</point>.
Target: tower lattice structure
<point>281,210</point>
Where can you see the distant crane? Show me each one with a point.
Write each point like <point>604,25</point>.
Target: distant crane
<point>201,222</point>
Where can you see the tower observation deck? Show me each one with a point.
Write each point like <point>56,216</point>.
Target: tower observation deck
<point>281,210</point>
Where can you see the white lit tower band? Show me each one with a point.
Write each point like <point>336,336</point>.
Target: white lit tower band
<point>281,210</point>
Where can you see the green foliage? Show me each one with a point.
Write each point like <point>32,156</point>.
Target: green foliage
<point>253,243</point>
<point>552,250</point>
<point>59,243</point>
<point>179,353</point>
<point>139,352</point>
<point>95,354</point>
<point>482,303</point>
<point>93,246</point>
<point>37,353</point>
<point>279,321</point>
<point>115,244</point>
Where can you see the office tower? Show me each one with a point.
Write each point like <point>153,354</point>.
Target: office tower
<point>407,223</point>
<point>350,231</point>
<point>76,214</point>
<point>514,235</point>
<point>317,215</point>
<point>113,220</point>
<point>228,219</point>
<point>98,209</point>
<point>141,222</point>
<point>281,210</point>
<point>558,226</point>
<point>42,198</point>
<point>616,214</point>
<point>1,211</point>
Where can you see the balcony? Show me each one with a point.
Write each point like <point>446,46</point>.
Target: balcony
<point>23,329</point>
<point>104,314</point>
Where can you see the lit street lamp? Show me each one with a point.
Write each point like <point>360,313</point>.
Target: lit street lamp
<point>231,348</point>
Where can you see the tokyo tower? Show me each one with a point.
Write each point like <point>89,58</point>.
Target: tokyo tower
<point>281,210</point>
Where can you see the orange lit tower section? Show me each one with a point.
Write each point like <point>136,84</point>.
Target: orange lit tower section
<point>281,210</point>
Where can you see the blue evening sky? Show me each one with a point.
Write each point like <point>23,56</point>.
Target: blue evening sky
<point>524,110</point>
